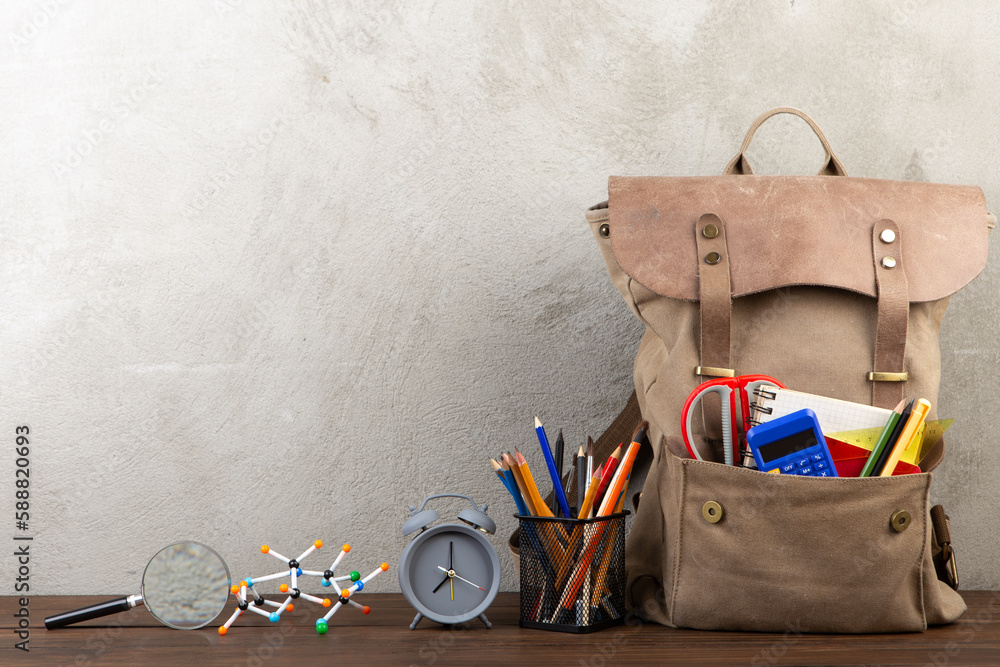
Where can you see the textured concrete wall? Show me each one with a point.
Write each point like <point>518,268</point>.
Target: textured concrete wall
<point>271,271</point>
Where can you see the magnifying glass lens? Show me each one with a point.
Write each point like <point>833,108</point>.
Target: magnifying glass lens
<point>185,585</point>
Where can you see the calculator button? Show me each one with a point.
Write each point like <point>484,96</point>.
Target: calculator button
<point>806,471</point>
<point>823,473</point>
<point>817,457</point>
<point>787,468</point>
<point>802,462</point>
<point>820,466</point>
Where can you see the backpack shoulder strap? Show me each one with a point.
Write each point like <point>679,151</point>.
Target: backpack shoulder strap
<point>620,430</point>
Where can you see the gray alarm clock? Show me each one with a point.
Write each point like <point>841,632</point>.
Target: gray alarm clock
<point>449,573</point>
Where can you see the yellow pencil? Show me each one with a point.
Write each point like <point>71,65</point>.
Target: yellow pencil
<point>507,459</point>
<point>588,500</point>
<point>909,432</point>
<point>541,509</point>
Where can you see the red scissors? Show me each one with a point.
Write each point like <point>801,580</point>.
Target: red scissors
<point>734,424</point>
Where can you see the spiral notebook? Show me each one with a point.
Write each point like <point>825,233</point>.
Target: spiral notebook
<point>835,416</point>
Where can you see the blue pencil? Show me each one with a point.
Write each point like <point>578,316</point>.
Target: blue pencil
<point>522,508</point>
<point>507,477</point>
<point>553,473</point>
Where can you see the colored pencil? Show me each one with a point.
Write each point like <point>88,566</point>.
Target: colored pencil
<point>909,432</point>
<point>557,455</point>
<point>507,477</point>
<point>588,499</point>
<point>581,478</point>
<point>553,473</point>
<point>883,440</point>
<point>621,499</point>
<point>887,450</point>
<point>617,487</point>
<point>541,509</point>
<point>609,471</point>
<point>519,480</point>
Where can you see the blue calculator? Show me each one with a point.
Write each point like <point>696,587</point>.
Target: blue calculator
<point>792,445</point>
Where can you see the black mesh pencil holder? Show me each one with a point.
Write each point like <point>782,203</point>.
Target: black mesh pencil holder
<point>572,573</point>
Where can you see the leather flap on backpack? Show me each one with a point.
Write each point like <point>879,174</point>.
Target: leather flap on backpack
<point>797,230</point>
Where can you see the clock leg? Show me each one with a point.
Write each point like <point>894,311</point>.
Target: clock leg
<point>416,619</point>
<point>482,617</point>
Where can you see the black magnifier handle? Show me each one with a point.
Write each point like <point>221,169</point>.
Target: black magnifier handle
<point>93,611</point>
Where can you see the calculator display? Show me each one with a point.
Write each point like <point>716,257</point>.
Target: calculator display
<point>787,445</point>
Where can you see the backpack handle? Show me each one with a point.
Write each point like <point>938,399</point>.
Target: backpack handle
<point>739,165</point>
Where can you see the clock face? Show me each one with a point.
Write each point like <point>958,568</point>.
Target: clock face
<point>450,573</point>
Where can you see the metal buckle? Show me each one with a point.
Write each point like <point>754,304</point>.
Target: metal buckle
<point>876,376</point>
<point>713,371</point>
<point>951,567</point>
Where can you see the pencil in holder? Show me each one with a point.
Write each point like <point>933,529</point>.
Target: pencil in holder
<point>572,572</point>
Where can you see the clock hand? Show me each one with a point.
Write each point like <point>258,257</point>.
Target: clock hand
<point>451,585</point>
<point>451,573</point>
<point>470,583</point>
<point>447,578</point>
<point>451,557</point>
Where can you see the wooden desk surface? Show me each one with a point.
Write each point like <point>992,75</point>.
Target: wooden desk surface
<point>384,638</point>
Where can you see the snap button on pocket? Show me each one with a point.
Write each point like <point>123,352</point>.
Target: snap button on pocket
<point>712,511</point>
<point>900,520</point>
<point>605,230</point>
<point>713,258</point>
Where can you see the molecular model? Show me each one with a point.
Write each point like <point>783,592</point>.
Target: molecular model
<point>295,571</point>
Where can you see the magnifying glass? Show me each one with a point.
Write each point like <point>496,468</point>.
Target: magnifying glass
<point>185,586</point>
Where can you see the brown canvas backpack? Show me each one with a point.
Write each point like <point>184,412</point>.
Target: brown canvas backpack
<point>835,286</point>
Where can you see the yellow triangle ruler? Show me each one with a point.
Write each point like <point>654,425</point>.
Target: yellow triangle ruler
<point>927,437</point>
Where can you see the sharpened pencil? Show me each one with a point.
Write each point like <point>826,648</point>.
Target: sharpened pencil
<point>519,480</point>
<point>588,499</point>
<point>505,474</point>
<point>529,482</point>
<point>609,469</point>
<point>550,462</point>
<point>617,486</point>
